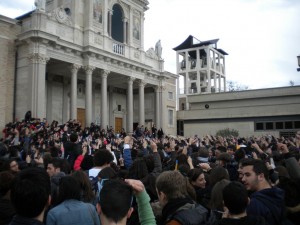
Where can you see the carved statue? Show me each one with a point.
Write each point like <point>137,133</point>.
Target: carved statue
<point>158,49</point>
<point>40,5</point>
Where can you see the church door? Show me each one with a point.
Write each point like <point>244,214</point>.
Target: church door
<point>118,124</point>
<point>81,116</point>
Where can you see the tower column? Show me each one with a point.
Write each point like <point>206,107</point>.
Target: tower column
<point>142,102</point>
<point>157,108</point>
<point>88,94</point>
<point>104,115</point>
<point>37,84</point>
<point>130,104</point>
<point>73,98</point>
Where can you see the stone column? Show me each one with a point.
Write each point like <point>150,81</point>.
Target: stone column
<point>49,98</point>
<point>73,97</point>
<point>125,33</point>
<point>109,24</point>
<point>65,114</point>
<point>104,106</point>
<point>130,104</point>
<point>88,94</point>
<point>111,107</point>
<point>157,108</point>
<point>142,102</point>
<point>37,85</point>
<point>164,118</point>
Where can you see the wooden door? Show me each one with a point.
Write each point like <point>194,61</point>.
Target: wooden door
<point>81,117</point>
<point>118,124</point>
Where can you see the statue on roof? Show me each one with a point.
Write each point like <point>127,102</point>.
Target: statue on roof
<point>158,49</point>
<point>40,5</point>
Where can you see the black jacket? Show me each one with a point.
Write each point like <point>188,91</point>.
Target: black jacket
<point>184,211</point>
<point>18,220</point>
<point>247,220</point>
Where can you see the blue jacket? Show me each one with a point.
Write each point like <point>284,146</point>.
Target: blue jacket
<point>127,156</point>
<point>73,212</point>
<point>268,203</point>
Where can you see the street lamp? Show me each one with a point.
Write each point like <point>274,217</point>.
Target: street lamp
<point>298,57</point>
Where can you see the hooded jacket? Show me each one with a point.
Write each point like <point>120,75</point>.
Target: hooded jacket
<point>268,203</point>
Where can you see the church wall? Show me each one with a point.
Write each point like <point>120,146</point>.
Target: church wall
<point>7,64</point>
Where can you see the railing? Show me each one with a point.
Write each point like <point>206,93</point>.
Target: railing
<point>118,48</point>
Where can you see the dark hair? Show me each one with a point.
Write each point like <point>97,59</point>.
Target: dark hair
<point>259,167</point>
<point>87,194</point>
<point>73,137</point>
<point>193,174</point>
<point>115,199</point>
<point>6,179</point>
<point>107,173</point>
<point>30,192</point>
<point>103,157</point>
<point>217,174</point>
<point>138,170</point>
<point>235,197</point>
<point>56,162</point>
<point>69,188</point>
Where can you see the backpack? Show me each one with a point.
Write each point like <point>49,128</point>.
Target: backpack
<point>95,183</point>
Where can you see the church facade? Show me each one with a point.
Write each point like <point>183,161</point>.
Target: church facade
<point>85,60</point>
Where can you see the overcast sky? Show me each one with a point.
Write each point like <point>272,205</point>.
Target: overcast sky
<point>262,37</point>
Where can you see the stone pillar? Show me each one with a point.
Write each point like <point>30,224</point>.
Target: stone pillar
<point>88,94</point>
<point>130,104</point>
<point>109,22</point>
<point>157,108</point>
<point>164,118</point>
<point>142,102</point>
<point>125,33</point>
<point>37,84</point>
<point>49,98</point>
<point>104,106</point>
<point>65,113</point>
<point>111,106</point>
<point>73,97</point>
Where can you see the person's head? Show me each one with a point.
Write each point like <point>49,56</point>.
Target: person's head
<point>216,174</point>
<point>223,158</point>
<point>107,173</point>
<point>231,149</point>
<point>255,175</point>
<point>138,170</point>
<point>54,166</point>
<point>69,188</point>
<point>197,177</point>
<point>30,192</point>
<point>103,157</point>
<point>13,165</point>
<point>85,185</point>
<point>216,201</point>
<point>171,185</point>
<point>6,179</point>
<point>114,203</point>
<point>235,198</point>
<point>73,137</point>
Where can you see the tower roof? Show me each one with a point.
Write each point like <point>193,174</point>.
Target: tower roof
<point>192,42</point>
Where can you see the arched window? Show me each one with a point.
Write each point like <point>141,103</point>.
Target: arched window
<point>117,27</point>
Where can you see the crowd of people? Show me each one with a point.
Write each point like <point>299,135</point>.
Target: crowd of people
<point>65,174</point>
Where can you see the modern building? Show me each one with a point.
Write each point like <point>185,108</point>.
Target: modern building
<point>85,60</point>
<point>204,106</point>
